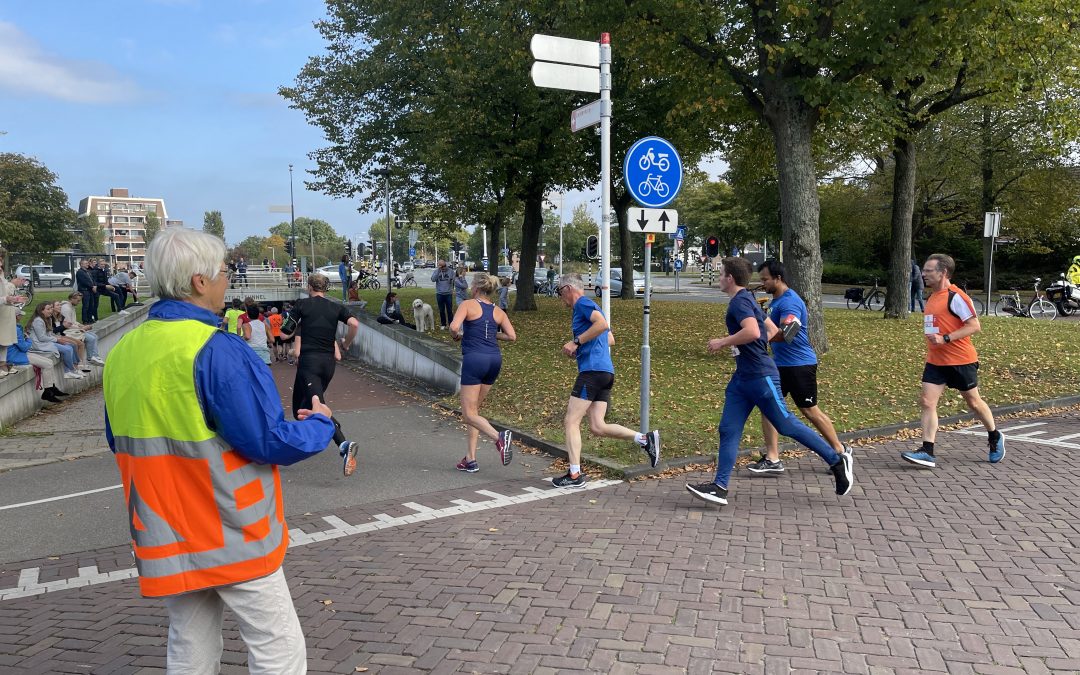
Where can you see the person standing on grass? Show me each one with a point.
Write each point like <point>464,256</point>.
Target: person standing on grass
<point>796,361</point>
<point>444,293</point>
<point>479,325</point>
<point>195,423</point>
<point>756,383</point>
<point>344,270</point>
<point>951,360</point>
<point>916,287</point>
<point>591,394</point>
<point>313,322</point>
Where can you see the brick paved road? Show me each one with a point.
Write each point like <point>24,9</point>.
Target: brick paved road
<point>971,568</point>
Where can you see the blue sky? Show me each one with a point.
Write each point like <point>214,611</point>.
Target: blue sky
<point>168,98</point>
<point>174,99</point>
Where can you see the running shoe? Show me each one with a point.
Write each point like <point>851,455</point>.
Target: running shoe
<point>502,444</point>
<point>652,447</point>
<point>709,492</point>
<point>568,482</point>
<point>997,449</point>
<point>763,465</point>
<point>920,458</point>
<point>470,466</point>
<point>96,360</point>
<point>349,449</point>
<point>844,471</point>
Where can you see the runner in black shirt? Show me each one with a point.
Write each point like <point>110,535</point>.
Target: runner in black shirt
<point>313,320</point>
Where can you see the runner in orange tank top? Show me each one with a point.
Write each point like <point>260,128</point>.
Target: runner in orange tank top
<point>949,322</point>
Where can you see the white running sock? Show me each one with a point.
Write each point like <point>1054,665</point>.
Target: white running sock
<point>575,468</point>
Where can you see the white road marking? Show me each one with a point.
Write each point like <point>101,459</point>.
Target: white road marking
<point>28,584</point>
<point>56,499</point>
<point>1028,437</point>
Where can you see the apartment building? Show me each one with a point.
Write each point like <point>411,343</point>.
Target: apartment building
<point>123,219</point>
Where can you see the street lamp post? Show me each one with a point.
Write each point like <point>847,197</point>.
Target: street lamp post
<point>292,212</point>
<point>484,234</point>
<point>385,173</point>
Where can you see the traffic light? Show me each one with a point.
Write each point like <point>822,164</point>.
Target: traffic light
<point>289,247</point>
<point>457,247</point>
<point>712,247</point>
<point>592,247</point>
<point>348,248</point>
<point>360,250</point>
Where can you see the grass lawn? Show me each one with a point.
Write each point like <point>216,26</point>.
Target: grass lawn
<point>869,377</point>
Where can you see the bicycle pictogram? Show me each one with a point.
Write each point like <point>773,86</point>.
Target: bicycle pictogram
<point>653,183</point>
<point>649,160</point>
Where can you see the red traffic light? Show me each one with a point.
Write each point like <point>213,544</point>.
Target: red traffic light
<point>712,247</point>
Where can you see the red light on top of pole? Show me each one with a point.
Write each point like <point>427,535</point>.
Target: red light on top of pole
<point>605,38</point>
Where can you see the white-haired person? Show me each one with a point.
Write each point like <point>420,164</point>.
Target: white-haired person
<point>197,428</point>
<point>479,324</point>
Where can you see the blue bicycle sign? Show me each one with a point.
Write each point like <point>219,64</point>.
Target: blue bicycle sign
<point>652,172</point>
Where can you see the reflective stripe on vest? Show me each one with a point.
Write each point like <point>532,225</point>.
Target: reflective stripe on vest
<point>201,515</point>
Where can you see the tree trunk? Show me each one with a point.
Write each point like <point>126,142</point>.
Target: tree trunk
<point>530,238</point>
<point>898,292</point>
<point>626,244</point>
<point>792,123</point>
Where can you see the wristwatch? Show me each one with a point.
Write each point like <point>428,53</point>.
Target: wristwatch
<point>946,338</point>
<point>577,341</point>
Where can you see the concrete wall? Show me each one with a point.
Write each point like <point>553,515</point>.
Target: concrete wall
<point>404,351</point>
<point>18,397</point>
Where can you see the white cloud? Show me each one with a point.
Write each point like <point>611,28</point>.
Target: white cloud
<point>26,68</point>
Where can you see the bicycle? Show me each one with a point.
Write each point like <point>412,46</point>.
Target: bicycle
<point>874,300</point>
<point>980,308</point>
<point>548,288</point>
<point>27,293</point>
<point>656,183</point>
<point>1038,308</point>
<point>369,281</point>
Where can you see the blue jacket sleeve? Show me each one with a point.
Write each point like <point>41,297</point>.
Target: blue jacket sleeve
<point>243,406</point>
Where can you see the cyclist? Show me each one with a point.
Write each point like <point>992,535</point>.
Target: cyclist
<point>951,361</point>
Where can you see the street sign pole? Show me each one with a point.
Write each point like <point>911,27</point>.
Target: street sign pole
<point>645,336</point>
<point>605,174</point>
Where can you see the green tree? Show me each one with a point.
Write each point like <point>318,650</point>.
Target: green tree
<point>34,211</point>
<point>153,226</point>
<point>713,209</point>
<point>252,247</point>
<point>91,235</point>
<point>213,224</point>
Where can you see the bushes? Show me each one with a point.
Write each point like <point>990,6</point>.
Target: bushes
<point>836,273</point>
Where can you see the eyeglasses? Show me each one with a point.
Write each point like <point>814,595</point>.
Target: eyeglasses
<point>559,289</point>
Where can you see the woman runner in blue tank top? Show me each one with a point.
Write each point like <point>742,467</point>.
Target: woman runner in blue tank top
<point>479,324</point>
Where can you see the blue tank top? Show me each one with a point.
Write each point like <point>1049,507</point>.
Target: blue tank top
<point>480,333</point>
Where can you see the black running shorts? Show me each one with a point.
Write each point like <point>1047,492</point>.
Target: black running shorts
<point>961,378</point>
<point>801,383</point>
<point>593,385</point>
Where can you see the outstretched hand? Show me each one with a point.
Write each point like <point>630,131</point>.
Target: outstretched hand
<point>317,406</point>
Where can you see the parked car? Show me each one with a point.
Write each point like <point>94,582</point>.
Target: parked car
<point>44,275</point>
<point>331,273</point>
<point>539,277</point>
<point>407,267</point>
<point>616,283</point>
<point>508,271</point>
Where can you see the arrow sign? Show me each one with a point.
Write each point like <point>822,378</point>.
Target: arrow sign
<point>560,76</point>
<point>565,50</point>
<point>653,220</point>
<point>585,116</point>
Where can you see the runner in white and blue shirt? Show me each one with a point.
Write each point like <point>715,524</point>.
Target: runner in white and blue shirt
<point>755,384</point>
<point>796,362</point>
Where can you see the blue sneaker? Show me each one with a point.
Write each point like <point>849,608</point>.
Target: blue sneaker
<point>997,450</point>
<point>920,458</point>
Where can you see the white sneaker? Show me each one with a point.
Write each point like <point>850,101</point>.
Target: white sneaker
<point>97,361</point>
<point>124,312</point>
<point>72,376</point>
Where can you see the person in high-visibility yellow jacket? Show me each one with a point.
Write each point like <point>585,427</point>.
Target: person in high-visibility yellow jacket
<point>1074,271</point>
<point>196,424</point>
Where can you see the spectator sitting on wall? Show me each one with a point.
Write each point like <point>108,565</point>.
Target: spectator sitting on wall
<point>21,354</point>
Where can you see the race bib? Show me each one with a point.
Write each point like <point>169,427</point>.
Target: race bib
<point>928,325</point>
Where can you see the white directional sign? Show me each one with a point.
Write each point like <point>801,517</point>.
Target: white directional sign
<point>652,220</point>
<point>565,50</point>
<point>585,116</point>
<point>560,76</point>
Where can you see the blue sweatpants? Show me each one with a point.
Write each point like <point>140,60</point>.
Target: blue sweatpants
<point>740,398</point>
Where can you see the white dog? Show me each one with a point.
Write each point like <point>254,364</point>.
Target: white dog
<point>423,315</point>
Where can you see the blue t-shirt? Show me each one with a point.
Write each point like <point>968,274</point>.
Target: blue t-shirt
<point>798,352</point>
<point>751,359</point>
<point>594,354</point>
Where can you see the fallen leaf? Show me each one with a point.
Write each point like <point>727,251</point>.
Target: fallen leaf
<point>327,602</point>
<point>493,529</point>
